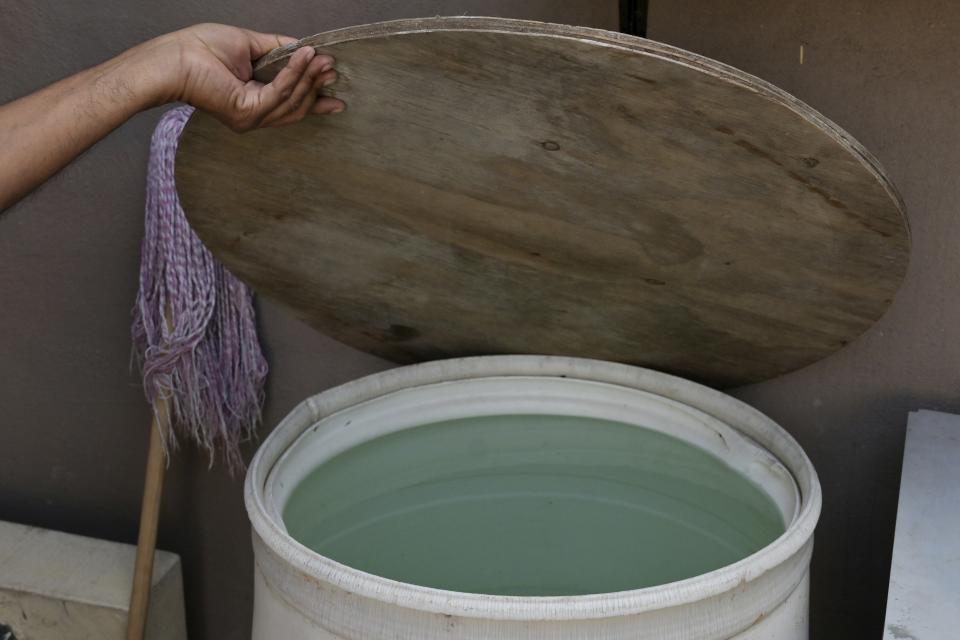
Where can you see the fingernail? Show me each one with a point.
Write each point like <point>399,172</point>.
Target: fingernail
<point>336,110</point>
<point>328,82</point>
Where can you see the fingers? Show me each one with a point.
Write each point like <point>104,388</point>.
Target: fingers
<point>293,93</point>
<point>281,89</point>
<point>303,87</point>
<point>318,104</point>
<point>297,115</point>
<point>306,97</point>
<point>325,105</point>
<point>303,96</point>
<point>313,103</point>
<point>325,78</point>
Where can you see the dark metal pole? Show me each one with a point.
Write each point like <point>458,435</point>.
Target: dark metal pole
<point>633,17</point>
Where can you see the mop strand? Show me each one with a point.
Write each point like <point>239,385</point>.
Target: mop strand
<point>194,328</point>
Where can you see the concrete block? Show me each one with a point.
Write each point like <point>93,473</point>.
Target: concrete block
<point>58,586</point>
<point>923,602</point>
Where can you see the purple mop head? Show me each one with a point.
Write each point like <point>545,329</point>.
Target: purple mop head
<point>194,328</point>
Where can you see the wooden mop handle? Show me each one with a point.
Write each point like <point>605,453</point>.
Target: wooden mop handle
<point>149,517</point>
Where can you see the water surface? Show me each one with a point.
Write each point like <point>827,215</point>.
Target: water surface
<point>531,505</point>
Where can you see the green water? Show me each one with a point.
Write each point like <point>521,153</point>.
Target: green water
<point>531,505</point>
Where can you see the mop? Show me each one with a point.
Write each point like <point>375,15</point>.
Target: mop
<point>195,340</point>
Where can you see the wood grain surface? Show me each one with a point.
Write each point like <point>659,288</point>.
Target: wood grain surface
<point>501,186</point>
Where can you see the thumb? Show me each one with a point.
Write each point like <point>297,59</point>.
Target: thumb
<point>263,43</point>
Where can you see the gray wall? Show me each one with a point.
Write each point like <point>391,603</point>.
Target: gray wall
<point>886,71</point>
<point>72,418</point>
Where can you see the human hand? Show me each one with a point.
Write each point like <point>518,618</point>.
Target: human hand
<point>209,66</point>
<point>213,70</point>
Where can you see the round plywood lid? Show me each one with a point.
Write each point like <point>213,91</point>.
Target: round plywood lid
<point>499,186</point>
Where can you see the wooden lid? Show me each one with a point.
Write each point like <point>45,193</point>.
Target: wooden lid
<point>500,186</point>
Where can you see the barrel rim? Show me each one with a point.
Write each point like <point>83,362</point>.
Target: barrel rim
<point>735,413</point>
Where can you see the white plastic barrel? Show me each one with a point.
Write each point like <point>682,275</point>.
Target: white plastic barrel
<point>302,595</point>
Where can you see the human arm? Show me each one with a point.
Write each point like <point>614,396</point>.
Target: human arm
<point>208,66</point>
